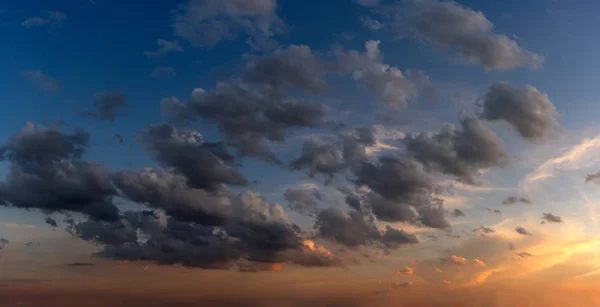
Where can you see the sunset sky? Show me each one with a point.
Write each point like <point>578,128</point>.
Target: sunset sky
<point>299,153</point>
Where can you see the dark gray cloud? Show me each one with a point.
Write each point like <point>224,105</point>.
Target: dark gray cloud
<point>595,178</point>
<point>302,201</point>
<point>246,117</point>
<point>394,238</point>
<point>80,264</point>
<point>330,156</point>
<point>496,211</point>
<point>42,80</point>
<point>389,86</point>
<point>204,23</point>
<point>106,105</point>
<point>29,244</point>
<point>352,229</point>
<point>457,213</point>
<point>524,254</point>
<point>164,47</point>
<point>205,165</point>
<point>368,3</point>
<point>3,243</point>
<point>46,173</point>
<point>530,112</point>
<point>119,138</point>
<point>50,221</point>
<point>258,233</point>
<point>449,25</point>
<point>486,230</point>
<point>522,231</point>
<point>462,153</point>
<point>551,218</point>
<point>511,200</point>
<point>433,216</point>
<point>511,246</point>
<point>293,67</point>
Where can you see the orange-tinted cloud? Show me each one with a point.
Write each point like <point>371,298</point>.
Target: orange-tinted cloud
<point>406,270</point>
<point>478,263</point>
<point>458,260</point>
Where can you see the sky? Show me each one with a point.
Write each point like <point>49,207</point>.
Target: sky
<point>296,153</point>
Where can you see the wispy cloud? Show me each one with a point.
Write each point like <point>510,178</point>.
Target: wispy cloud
<point>42,80</point>
<point>53,19</point>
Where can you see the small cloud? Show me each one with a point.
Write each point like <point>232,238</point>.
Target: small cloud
<point>458,260</point>
<point>119,138</point>
<point>50,221</point>
<point>164,47</point>
<point>478,263</point>
<point>164,71</point>
<point>80,264</point>
<point>523,255</point>
<point>406,284</point>
<point>457,213</point>
<point>551,218</point>
<point>371,24</point>
<point>41,80</point>
<point>438,270</point>
<point>496,211</point>
<point>511,200</point>
<point>511,246</point>
<point>53,19</point>
<point>522,231</point>
<point>406,270</point>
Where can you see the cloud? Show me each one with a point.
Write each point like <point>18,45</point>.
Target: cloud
<point>530,112</point>
<point>52,18</point>
<point>522,231</point>
<point>406,270</point>
<point>449,25</point>
<point>370,23</point>
<point>163,71</point>
<point>458,260</point>
<point>255,232</point>
<point>253,111</point>
<point>394,238</point>
<point>46,173</point>
<point>551,218</point>
<point>462,153</point>
<point>50,221</point>
<point>119,138</point>
<point>302,201</point>
<point>164,47</point>
<point>204,23</point>
<point>328,157</point>
<point>485,230</point>
<point>352,229</point>
<point>511,246</point>
<point>524,255</point>
<point>106,106</point>
<point>388,85</point>
<point>80,264</point>
<point>3,243</point>
<point>478,263</point>
<point>439,270</point>
<point>457,213</point>
<point>42,80</point>
<point>205,165</point>
<point>511,200</point>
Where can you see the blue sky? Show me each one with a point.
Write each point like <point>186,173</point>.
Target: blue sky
<point>57,55</point>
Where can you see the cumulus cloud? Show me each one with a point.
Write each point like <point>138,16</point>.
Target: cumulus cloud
<point>551,218</point>
<point>42,80</point>
<point>511,246</point>
<point>164,47</point>
<point>393,238</point>
<point>457,213</point>
<point>253,112</point>
<point>458,260</point>
<point>449,25</point>
<point>46,173</point>
<point>302,201</point>
<point>204,23</point>
<point>406,270</point>
<point>530,112</point>
<point>511,200</point>
<point>106,106</point>
<point>53,19</point>
<point>3,243</point>
<point>205,165</point>
<point>462,153</point>
<point>389,86</point>
<point>330,156</point>
<point>595,178</point>
<point>522,231</point>
<point>478,263</point>
<point>50,221</point>
<point>352,229</point>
